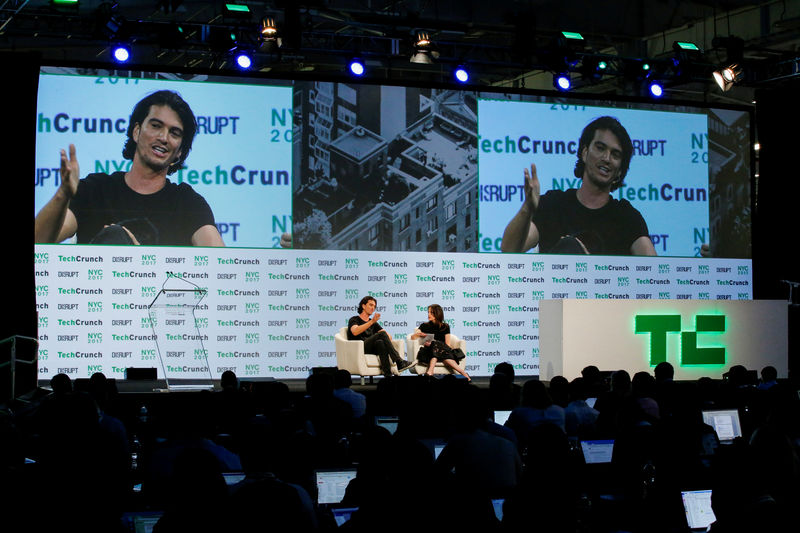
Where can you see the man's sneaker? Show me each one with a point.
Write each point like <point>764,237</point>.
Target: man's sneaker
<point>404,365</point>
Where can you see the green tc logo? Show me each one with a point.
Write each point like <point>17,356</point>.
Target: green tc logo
<point>659,326</point>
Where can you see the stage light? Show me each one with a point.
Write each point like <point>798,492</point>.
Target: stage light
<point>268,28</point>
<point>685,46</point>
<point>562,81</point>
<point>572,35</point>
<point>239,11</point>
<point>121,53</point>
<point>424,50</point>
<point>461,74</point>
<point>726,77</point>
<point>655,89</point>
<point>645,66</point>
<point>244,60</point>
<point>357,67</point>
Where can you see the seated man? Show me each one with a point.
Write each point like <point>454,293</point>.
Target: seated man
<point>364,327</point>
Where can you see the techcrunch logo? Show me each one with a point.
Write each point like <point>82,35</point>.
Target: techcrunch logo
<point>387,264</point>
<point>80,355</point>
<point>287,368</point>
<point>129,274</point>
<point>570,280</point>
<point>288,338</point>
<point>437,279</point>
<point>728,282</point>
<point>518,366</point>
<point>238,355</point>
<point>479,264</point>
<point>79,322</point>
<point>132,337</point>
<point>123,307</point>
<point>479,294</point>
<point>79,259</point>
<point>63,291</point>
<point>522,337</point>
<point>620,268</point>
<point>651,281</point>
<point>659,326</point>
<point>238,292</point>
<point>239,175</point>
<point>187,275</point>
<point>525,279</point>
<point>185,337</point>
<point>238,323</point>
<point>288,307</point>
<point>693,282</point>
<point>331,277</point>
<point>483,353</point>
<point>480,324</point>
<point>237,261</point>
<point>186,369</point>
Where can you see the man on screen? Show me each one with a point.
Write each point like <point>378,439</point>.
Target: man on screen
<point>140,206</point>
<point>586,220</point>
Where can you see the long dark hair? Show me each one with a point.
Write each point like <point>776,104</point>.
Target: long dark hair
<point>438,314</point>
<point>613,125</point>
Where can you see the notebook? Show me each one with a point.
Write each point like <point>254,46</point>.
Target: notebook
<point>697,506</point>
<point>597,451</point>
<point>725,422</point>
<point>331,484</point>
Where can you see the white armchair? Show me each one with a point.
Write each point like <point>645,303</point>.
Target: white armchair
<point>440,368</point>
<point>350,356</point>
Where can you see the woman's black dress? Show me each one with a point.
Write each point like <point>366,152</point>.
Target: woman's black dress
<point>438,348</point>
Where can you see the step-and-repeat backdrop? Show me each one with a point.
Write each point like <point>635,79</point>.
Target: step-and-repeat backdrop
<point>273,312</point>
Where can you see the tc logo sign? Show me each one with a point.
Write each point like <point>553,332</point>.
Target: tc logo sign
<point>659,326</point>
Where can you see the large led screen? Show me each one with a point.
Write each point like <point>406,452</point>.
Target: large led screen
<point>401,193</point>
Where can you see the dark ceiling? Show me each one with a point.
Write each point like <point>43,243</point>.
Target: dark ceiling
<point>504,41</point>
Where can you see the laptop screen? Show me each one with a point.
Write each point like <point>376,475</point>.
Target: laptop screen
<point>725,422</point>
<point>697,505</point>
<point>500,417</point>
<point>597,451</point>
<point>331,485</point>
<point>388,422</point>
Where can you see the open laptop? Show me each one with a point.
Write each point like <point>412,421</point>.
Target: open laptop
<point>725,422</point>
<point>342,514</point>
<point>500,417</point>
<point>697,506</point>
<point>141,521</point>
<point>388,422</point>
<point>331,484</point>
<point>597,451</point>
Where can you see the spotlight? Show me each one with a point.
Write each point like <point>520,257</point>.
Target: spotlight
<point>655,89</point>
<point>562,82</point>
<point>727,76</point>
<point>121,53</point>
<point>268,28</point>
<point>357,67</point>
<point>461,74</point>
<point>244,60</point>
<point>424,51</point>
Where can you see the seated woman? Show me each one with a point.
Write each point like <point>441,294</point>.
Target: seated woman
<point>439,348</point>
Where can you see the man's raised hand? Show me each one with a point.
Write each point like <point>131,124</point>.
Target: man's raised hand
<point>70,172</point>
<point>532,189</point>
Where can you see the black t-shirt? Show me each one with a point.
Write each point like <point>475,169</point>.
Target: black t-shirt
<point>176,211</point>
<point>439,332</point>
<point>609,230</point>
<point>358,321</point>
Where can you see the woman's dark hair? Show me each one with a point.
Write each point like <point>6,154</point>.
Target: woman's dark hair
<point>438,314</point>
<point>364,301</point>
<point>174,101</point>
<point>613,125</point>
